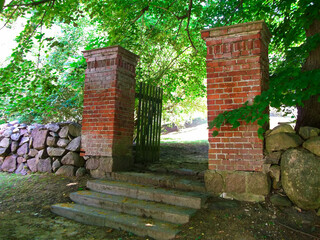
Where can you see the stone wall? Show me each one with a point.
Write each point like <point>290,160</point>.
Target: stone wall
<point>41,148</point>
<point>293,163</point>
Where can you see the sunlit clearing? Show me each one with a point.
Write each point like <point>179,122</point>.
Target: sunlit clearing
<point>198,133</point>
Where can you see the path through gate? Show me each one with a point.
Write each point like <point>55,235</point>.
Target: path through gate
<point>148,123</point>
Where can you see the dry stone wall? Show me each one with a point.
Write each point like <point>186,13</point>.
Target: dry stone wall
<point>48,148</point>
<point>293,163</point>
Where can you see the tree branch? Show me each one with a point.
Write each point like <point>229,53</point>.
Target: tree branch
<point>159,19</point>
<point>41,21</point>
<point>141,13</point>
<point>167,10</point>
<point>170,63</point>
<point>179,30</point>
<point>296,230</point>
<point>187,29</point>
<point>27,4</point>
<point>9,18</point>
<point>233,12</point>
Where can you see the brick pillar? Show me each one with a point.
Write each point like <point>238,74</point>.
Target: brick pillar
<point>237,71</point>
<point>109,96</point>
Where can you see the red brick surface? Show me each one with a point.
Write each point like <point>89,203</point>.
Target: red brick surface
<point>109,94</point>
<point>237,71</point>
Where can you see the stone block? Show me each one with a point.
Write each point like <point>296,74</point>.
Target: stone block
<point>313,145</point>
<point>24,149</point>
<point>282,141</point>
<point>55,165</point>
<point>309,132</point>
<point>67,170</point>
<point>258,183</point>
<point>92,163</point>
<point>21,160</point>
<point>54,127</point>
<point>72,158</point>
<point>39,137</point>
<point>9,164</point>
<point>32,164</point>
<point>74,145</point>
<point>235,182</point>
<point>5,143</point>
<point>214,182</point>
<point>24,140</point>
<point>75,129</point>
<point>275,175</point>
<point>97,173</point>
<point>273,157</point>
<point>4,151</point>
<point>63,133</point>
<point>240,185</point>
<point>63,142</point>
<point>14,146</point>
<point>300,171</point>
<point>81,172</point>
<point>55,152</point>
<point>282,128</point>
<point>22,169</point>
<point>15,136</point>
<point>44,165</point>
<point>33,152</point>
<point>51,141</point>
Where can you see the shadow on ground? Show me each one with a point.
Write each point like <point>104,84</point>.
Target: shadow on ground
<point>25,214</point>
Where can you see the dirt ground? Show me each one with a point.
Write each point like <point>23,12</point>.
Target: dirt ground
<point>187,156</point>
<point>25,214</point>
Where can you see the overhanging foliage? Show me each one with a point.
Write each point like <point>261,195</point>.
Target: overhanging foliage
<point>166,35</point>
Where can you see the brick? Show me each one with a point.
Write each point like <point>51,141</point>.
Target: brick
<point>256,51</point>
<point>240,64</point>
<point>213,64</point>
<point>245,53</point>
<point>257,43</point>
<point>102,97</point>
<point>235,54</point>
<point>213,42</point>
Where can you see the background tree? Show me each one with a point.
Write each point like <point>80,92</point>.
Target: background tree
<point>166,35</point>
<point>309,112</point>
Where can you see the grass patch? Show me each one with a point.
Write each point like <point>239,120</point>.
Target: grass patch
<point>175,141</point>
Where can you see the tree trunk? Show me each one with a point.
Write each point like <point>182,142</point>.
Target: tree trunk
<point>309,114</point>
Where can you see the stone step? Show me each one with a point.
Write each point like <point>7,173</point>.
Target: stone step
<point>165,212</point>
<point>100,217</point>
<point>160,180</point>
<point>142,192</point>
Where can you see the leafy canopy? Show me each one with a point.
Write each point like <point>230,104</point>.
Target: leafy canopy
<point>166,35</point>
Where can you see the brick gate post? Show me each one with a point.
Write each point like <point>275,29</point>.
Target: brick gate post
<point>109,96</point>
<point>237,71</point>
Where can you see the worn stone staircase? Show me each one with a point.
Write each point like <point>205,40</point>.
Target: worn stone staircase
<point>145,204</point>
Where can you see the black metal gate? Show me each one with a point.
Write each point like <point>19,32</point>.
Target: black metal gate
<point>148,123</point>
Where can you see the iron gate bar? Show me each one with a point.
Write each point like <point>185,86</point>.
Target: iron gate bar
<point>149,123</point>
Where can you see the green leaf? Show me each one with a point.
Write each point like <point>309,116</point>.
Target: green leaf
<point>261,132</point>
<point>1,5</point>
<point>215,133</point>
